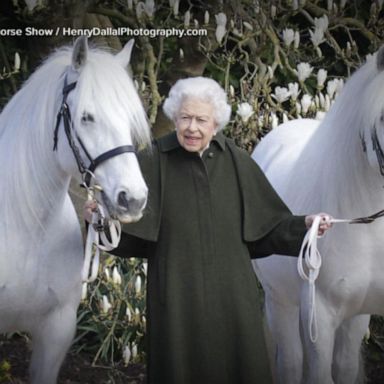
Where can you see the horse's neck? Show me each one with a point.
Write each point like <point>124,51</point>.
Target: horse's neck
<point>338,176</point>
<point>34,188</point>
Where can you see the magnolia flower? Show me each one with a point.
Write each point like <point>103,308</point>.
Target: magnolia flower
<point>206,17</point>
<point>342,3</point>
<point>175,7</point>
<point>130,4</point>
<point>105,304</point>
<point>270,71</point>
<point>321,100</point>
<point>295,5</point>
<point>327,103</point>
<point>274,120</point>
<point>304,70</point>
<point>288,36</point>
<point>196,23</point>
<point>17,62</point>
<point>247,25</point>
<point>298,109</point>
<point>181,54</point>
<point>149,8</point>
<point>84,291</point>
<point>317,36</point>
<point>296,41</point>
<point>221,21</point>
<point>331,87</point>
<point>116,278</point>
<point>306,102</point>
<point>285,118</point>
<point>245,111</point>
<point>136,84</point>
<point>321,23</point>
<point>126,355</point>
<point>140,8</point>
<point>107,274</point>
<point>128,313</point>
<point>273,11</point>
<point>321,77</point>
<point>145,268</point>
<point>294,90</point>
<point>329,5</point>
<point>187,19</point>
<point>134,350</point>
<point>281,94</point>
<point>138,285</point>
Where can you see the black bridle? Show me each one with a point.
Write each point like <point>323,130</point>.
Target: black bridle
<point>86,171</point>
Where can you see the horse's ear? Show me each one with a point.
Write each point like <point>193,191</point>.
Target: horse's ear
<point>80,52</point>
<point>380,59</point>
<point>124,56</point>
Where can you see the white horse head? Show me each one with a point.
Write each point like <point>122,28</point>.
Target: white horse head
<point>106,114</point>
<point>336,166</point>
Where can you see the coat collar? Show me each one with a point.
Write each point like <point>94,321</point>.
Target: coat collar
<point>169,142</point>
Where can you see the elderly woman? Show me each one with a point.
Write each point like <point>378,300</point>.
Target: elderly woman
<point>210,211</point>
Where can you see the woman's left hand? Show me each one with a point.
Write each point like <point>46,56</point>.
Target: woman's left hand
<point>325,222</point>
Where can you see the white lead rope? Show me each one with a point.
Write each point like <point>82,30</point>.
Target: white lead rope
<point>310,258</point>
<point>96,232</point>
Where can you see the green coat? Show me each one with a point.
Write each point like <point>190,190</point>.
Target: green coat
<point>205,217</point>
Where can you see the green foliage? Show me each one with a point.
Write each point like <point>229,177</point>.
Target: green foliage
<point>5,371</point>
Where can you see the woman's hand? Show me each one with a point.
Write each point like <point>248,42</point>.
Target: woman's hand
<point>89,207</point>
<point>325,222</point>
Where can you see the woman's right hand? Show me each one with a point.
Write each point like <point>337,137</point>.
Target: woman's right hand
<point>89,207</point>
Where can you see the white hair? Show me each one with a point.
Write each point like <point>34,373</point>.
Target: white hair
<point>201,88</point>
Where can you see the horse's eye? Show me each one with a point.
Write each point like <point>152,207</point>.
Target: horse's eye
<point>381,118</point>
<point>87,118</point>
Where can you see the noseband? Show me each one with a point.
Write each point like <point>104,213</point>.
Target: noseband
<point>86,171</point>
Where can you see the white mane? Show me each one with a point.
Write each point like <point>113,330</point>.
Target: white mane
<point>335,150</point>
<point>27,124</point>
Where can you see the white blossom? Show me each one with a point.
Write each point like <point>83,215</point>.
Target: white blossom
<point>17,62</point>
<point>304,70</point>
<point>332,87</point>
<point>247,25</point>
<point>270,71</point>
<point>145,268</point>
<point>274,120</point>
<point>296,41</point>
<point>136,84</point>
<point>105,304</point>
<point>317,36</point>
<point>327,103</point>
<point>342,3</point>
<point>245,111</point>
<point>288,36</point>
<point>206,17</point>
<point>329,5</point>
<point>126,355</point>
<point>84,291</point>
<point>116,277</point>
<point>294,90</point>
<point>176,7</point>
<point>107,274</point>
<point>285,118</point>
<point>181,54</point>
<point>231,91</point>
<point>130,4</point>
<point>221,21</point>
<point>140,8</point>
<point>138,284</point>
<point>321,100</point>
<point>306,102</point>
<point>295,5</point>
<point>281,94</point>
<point>149,8</point>
<point>273,11</point>
<point>321,77</point>
<point>298,109</point>
<point>321,23</point>
<point>128,313</point>
<point>187,19</point>
<point>196,23</point>
<point>134,350</point>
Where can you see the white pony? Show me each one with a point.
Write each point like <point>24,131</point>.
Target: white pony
<point>335,167</point>
<point>41,248</point>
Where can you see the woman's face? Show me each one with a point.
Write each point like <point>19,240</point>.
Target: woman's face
<point>195,124</point>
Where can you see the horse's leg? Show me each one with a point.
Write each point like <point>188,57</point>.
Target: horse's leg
<point>51,340</point>
<point>347,365</point>
<point>283,322</point>
<point>318,354</point>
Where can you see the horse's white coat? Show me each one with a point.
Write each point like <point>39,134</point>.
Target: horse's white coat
<point>325,169</point>
<point>41,249</point>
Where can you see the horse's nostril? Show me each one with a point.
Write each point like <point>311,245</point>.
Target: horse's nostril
<point>132,205</point>
<point>123,200</point>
